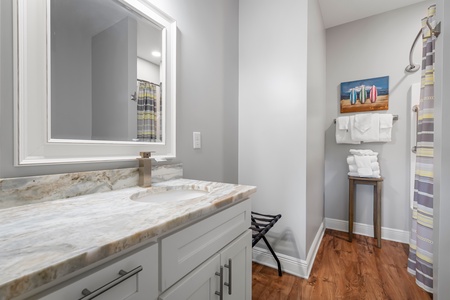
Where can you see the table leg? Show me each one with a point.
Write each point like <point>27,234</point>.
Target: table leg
<point>379,188</point>
<point>351,195</point>
<point>375,212</point>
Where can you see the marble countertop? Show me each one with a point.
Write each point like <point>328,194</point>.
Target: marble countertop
<point>43,242</point>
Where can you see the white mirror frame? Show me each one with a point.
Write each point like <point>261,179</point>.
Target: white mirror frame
<point>33,142</point>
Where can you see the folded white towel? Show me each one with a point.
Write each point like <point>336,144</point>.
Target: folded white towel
<point>363,164</point>
<point>374,166</point>
<point>342,123</point>
<point>363,122</point>
<point>385,134</point>
<point>386,127</point>
<point>375,174</point>
<point>343,136</point>
<point>353,168</point>
<point>360,131</point>
<point>363,152</point>
<point>351,159</point>
<point>386,120</point>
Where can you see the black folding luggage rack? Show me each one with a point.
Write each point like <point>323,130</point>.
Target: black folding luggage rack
<point>261,224</point>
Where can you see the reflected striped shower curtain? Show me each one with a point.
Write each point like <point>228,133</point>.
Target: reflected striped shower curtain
<point>146,112</point>
<point>420,260</point>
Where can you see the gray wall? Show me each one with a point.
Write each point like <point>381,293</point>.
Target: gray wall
<point>316,97</point>
<point>114,73</point>
<point>277,88</point>
<point>272,114</point>
<point>442,161</point>
<point>71,105</point>
<point>206,89</point>
<point>373,47</point>
<point>207,80</point>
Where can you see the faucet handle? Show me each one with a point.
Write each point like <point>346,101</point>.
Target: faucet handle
<point>146,154</point>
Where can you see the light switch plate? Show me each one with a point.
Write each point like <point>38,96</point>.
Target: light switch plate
<point>197,140</point>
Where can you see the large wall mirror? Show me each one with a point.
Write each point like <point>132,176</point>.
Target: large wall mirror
<point>95,81</point>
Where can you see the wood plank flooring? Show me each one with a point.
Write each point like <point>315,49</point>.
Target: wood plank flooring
<point>343,270</point>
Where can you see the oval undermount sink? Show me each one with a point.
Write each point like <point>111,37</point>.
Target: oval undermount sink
<point>169,196</point>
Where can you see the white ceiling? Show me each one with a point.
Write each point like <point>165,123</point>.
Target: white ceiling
<point>337,12</point>
<point>94,16</point>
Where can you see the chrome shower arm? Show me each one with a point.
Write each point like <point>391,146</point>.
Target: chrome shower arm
<point>413,67</point>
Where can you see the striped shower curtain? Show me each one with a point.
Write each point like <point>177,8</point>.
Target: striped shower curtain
<point>420,260</point>
<point>146,112</point>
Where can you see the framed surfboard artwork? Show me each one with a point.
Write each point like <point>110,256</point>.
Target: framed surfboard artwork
<point>365,95</point>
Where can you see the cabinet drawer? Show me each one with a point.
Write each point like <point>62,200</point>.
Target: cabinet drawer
<point>184,250</point>
<point>142,285</point>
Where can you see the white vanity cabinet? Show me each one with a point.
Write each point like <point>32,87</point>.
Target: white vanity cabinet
<point>206,259</point>
<point>214,280</point>
<point>212,258</point>
<point>139,283</point>
<point>237,272</point>
<point>201,284</point>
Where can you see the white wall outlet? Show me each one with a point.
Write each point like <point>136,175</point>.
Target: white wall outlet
<point>197,140</point>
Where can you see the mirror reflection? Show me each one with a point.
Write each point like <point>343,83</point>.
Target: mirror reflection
<point>105,73</point>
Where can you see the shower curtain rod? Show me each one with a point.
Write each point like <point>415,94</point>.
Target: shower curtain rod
<point>411,68</point>
<point>134,96</point>
<point>142,80</point>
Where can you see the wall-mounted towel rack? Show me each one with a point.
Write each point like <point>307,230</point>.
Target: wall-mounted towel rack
<point>394,117</point>
<point>415,109</point>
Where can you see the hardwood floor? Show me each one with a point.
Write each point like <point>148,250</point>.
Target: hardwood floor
<point>344,270</point>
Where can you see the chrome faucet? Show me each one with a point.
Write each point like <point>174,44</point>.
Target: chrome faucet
<point>145,169</point>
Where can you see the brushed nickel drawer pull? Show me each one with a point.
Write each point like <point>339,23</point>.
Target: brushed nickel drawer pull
<point>228,284</point>
<point>123,276</point>
<point>220,293</point>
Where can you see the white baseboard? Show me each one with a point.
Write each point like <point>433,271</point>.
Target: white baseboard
<point>391,234</point>
<point>289,264</point>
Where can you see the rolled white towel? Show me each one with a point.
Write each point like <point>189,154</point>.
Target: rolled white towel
<point>351,159</point>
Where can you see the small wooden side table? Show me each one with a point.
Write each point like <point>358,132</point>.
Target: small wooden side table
<point>377,186</point>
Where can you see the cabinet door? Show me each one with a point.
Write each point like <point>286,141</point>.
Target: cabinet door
<point>200,284</point>
<point>186,249</point>
<point>237,257</point>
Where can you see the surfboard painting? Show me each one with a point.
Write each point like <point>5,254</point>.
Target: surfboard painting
<point>365,95</point>
<point>373,94</point>
<point>353,96</point>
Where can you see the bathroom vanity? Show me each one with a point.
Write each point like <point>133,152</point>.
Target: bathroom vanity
<point>179,239</point>
<point>131,244</point>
